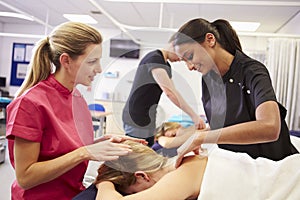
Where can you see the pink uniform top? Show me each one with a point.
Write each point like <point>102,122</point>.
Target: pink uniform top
<point>60,121</point>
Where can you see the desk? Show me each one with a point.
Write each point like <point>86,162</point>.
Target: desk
<point>100,117</point>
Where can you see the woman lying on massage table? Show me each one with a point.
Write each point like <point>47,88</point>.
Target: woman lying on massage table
<point>144,174</point>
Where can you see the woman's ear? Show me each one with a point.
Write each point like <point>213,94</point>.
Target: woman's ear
<point>210,38</point>
<point>65,60</point>
<point>141,175</point>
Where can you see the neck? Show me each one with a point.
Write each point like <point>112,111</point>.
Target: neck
<point>165,54</point>
<point>224,61</point>
<point>64,81</point>
<point>165,170</point>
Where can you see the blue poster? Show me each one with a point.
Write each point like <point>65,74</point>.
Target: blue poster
<point>21,56</point>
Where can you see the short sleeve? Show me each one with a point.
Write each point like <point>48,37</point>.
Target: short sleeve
<point>24,120</point>
<point>157,61</point>
<point>259,82</point>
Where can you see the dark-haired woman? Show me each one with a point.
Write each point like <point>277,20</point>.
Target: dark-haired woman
<point>237,93</point>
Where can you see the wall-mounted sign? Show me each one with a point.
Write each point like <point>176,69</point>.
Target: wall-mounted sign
<point>21,56</point>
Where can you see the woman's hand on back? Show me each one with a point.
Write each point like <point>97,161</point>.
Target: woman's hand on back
<point>191,144</point>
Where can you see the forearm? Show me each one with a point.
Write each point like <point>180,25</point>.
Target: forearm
<point>244,133</point>
<point>178,100</point>
<point>173,142</point>
<point>183,130</point>
<point>41,172</point>
<point>249,133</point>
<point>166,84</point>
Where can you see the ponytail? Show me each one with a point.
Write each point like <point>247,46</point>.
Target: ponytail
<point>40,66</point>
<point>228,37</point>
<point>195,30</point>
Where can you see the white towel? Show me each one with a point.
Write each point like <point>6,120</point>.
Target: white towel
<point>231,176</point>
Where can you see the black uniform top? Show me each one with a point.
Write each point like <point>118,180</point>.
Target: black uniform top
<point>140,108</point>
<point>233,98</point>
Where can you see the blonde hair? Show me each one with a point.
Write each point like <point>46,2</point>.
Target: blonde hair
<point>166,126</point>
<point>71,37</point>
<point>121,171</point>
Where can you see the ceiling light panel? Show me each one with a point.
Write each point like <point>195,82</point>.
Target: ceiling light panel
<point>15,15</point>
<point>80,18</point>
<point>245,26</point>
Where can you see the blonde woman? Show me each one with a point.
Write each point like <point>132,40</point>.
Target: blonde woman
<point>146,175</point>
<point>49,127</point>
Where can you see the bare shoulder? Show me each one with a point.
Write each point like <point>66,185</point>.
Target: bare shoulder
<point>194,159</point>
<point>191,171</point>
<point>193,166</point>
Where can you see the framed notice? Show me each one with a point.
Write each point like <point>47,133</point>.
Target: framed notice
<point>21,56</point>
